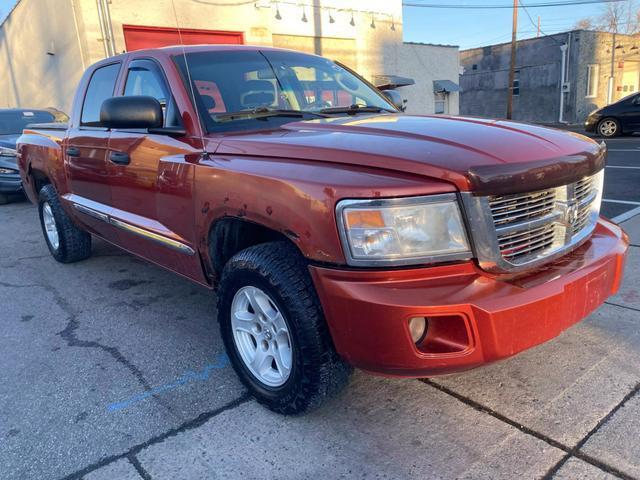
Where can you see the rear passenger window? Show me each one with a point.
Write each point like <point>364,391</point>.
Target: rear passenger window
<point>101,86</point>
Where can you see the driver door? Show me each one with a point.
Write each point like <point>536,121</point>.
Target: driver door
<point>152,181</point>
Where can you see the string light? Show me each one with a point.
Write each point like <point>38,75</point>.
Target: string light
<point>331,12</point>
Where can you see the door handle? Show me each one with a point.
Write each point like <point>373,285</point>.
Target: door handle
<point>73,151</point>
<point>120,158</point>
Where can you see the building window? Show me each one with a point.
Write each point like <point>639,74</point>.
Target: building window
<point>592,80</point>
<point>516,83</point>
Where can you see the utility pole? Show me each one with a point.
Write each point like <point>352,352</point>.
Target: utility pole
<point>538,34</point>
<point>612,74</point>
<point>512,67</point>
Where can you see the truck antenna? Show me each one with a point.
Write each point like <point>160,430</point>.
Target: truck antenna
<point>186,65</point>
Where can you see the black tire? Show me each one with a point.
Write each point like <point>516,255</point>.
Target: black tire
<point>73,244</point>
<point>614,130</point>
<point>317,372</point>
<point>4,199</point>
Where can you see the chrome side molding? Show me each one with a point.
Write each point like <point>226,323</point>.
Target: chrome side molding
<point>141,232</point>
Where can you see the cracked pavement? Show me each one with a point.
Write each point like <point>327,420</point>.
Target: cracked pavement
<point>113,369</point>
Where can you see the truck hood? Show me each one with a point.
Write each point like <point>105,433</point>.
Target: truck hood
<point>485,156</point>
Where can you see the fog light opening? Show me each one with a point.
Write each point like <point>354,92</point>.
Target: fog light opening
<point>418,327</point>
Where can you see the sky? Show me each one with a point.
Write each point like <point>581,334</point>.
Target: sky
<point>469,28</point>
<point>473,28</point>
<point>5,6</point>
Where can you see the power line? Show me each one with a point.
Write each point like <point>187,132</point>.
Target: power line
<point>502,6</point>
<point>521,5</point>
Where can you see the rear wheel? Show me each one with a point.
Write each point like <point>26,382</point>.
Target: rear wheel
<point>66,242</point>
<point>609,127</point>
<point>274,330</point>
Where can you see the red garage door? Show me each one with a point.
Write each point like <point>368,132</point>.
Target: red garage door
<point>137,37</point>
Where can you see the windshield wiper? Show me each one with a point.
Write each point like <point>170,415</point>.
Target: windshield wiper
<point>356,108</point>
<point>264,112</point>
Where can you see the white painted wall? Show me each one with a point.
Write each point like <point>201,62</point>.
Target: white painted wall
<point>40,60</point>
<point>426,63</point>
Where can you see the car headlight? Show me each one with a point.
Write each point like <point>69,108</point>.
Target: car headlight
<point>402,231</point>
<point>8,152</point>
<point>7,171</point>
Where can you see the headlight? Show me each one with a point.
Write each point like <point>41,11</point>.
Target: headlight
<point>403,231</point>
<point>7,171</point>
<point>7,152</point>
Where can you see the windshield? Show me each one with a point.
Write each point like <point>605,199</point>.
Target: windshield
<point>227,82</point>
<point>12,122</point>
<point>628,97</point>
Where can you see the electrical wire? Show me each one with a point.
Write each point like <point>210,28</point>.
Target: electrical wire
<point>537,27</point>
<point>501,6</point>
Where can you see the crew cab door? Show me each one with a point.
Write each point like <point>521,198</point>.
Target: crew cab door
<point>151,179</point>
<point>85,154</point>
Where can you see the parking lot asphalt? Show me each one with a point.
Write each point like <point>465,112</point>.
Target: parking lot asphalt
<point>113,368</point>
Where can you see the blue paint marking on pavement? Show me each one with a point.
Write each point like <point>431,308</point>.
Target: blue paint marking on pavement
<point>221,362</point>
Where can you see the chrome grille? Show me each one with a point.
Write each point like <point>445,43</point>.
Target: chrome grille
<point>515,245</point>
<point>507,208</point>
<point>583,188</point>
<point>518,231</point>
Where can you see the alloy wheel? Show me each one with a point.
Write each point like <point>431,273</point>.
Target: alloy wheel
<point>261,336</point>
<point>50,226</point>
<point>608,128</point>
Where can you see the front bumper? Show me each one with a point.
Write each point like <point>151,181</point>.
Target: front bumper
<point>474,318</point>
<point>591,123</point>
<point>10,183</point>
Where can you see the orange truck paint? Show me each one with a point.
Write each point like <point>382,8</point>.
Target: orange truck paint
<point>290,179</point>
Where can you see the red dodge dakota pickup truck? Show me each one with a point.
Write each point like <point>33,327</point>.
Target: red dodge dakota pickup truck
<point>338,231</point>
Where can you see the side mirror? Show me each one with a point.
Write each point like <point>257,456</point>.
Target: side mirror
<point>131,112</point>
<point>396,99</point>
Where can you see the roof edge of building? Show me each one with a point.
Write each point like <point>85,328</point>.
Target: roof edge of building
<point>431,44</point>
<point>575,30</point>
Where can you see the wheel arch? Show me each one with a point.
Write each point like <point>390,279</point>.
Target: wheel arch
<point>229,235</point>
<point>39,177</point>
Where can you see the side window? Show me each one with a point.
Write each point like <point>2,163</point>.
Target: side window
<point>143,78</point>
<point>101,86</point>
<point>141,81</point>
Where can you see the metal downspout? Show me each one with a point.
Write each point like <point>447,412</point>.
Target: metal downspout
<point>104,18</point>
<point>563,49</point>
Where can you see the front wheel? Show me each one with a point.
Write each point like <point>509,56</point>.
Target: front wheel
<point>4,199</point>
<point>66,242</point>
<point>274,330</point>
<point>609,127</point>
